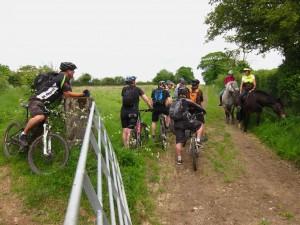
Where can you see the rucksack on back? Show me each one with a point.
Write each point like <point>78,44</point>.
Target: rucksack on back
<point>44,81</point>
<point>129,97</point>
<point>176,110</point>
<point>159,97</point>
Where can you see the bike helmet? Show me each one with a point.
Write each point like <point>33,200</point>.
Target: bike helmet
<point>195,82</point>
<point>161,83</point>
<point>64,66</point>
<point>183,92</point>
<point>130,79</point>
<point>182,80</point>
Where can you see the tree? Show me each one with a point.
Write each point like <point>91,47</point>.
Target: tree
<point>119,80</point>
<point>84,79</point>
<point>164,75</point>
<point>26,74</point>
<point>186,73</point>
<point>259,24</point>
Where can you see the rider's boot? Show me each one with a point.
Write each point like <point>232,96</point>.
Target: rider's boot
<point>23,140</point>
<point>179,160</point>
<point>220,104</point>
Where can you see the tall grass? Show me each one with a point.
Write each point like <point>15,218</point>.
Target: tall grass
<point>46,197</point>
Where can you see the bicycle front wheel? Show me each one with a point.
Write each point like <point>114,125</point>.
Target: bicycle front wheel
<point>11,144</point>
<point>56,159</point>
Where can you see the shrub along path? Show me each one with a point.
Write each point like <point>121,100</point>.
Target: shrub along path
<point>240,181</point>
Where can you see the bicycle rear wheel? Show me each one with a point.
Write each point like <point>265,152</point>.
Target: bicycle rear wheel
<point>163,133</point>
<point>194,153</point>
<point>11,145</point>
<point>47,164</point>
<point>133,139</point>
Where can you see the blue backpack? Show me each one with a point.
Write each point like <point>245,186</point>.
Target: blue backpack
<point>159,97</point>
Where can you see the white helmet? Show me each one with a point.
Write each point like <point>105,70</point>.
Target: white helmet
<point>230,72</point>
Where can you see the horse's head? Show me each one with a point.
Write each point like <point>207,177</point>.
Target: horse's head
<point>278,108</point>
<point>232,87</point>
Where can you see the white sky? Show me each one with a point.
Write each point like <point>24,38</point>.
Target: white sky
<point>110,37</point>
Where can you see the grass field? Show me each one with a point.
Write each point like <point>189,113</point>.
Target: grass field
<point>46,196</point>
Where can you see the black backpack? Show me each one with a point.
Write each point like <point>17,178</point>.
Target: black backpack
<point>129,97</point>
<point>44,81</point>
<point>177,111</point>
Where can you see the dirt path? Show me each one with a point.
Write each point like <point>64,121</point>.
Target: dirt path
<point>239,182</point>
<point>11,208</point>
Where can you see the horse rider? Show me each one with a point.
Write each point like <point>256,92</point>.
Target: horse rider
<point>227,79</point>
<point>248,84</point>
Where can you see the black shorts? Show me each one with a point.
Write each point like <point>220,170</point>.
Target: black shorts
<point>36,107</point>
<point>159,110</point>
<point>128,117</point>
<point>181,126</point>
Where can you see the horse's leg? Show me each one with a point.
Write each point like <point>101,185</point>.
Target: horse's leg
<point>246,120</point>
<point>258,114</point>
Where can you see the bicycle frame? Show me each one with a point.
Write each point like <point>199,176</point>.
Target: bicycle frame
<point>46,142</point>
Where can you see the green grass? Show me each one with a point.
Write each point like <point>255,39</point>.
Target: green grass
<point>281,135</point>
<point>46,197</point>
<point>221,152</point>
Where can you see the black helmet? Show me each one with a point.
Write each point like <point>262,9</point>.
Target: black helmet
<point>130,79</point>
<point>161,83</point>
<point>195,82</point>
<point>64,66</point>
<point>183,92</point>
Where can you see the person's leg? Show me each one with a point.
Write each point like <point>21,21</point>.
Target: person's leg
<point>153,128</point>
<point>168,121</point>
<point>34,121</point>
<point>220,97</point>
<point>178,152</point>
<point>124,137</point>
<point>180,139</point>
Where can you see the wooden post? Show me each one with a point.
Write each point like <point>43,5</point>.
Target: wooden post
<point>77,111</point>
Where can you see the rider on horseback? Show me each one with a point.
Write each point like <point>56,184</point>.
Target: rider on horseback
<point>248,84</point>
<point>228,78</point>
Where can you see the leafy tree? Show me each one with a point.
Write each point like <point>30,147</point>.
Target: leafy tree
<point>119,80</point>
<point>186,73</point>
<point>5,72</point>
<point>164,75</point>
<point>84,79</point>
<point>26,74</point>
<point>258,24</point>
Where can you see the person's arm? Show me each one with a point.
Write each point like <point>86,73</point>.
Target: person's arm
<point>73,94</point>
<point>147,100</point>
<point>168,101</point>
<point>195,106</point>
<point>254,85</point>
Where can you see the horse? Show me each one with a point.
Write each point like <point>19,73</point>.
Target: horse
<point>254,102</point>
<point>229,100</point>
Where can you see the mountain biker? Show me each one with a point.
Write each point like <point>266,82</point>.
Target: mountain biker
<point>180,113</point>
<point>169,85</point>
<point>47,93</point>
<point>227,79</point>
<point>248,84</point>
<point>130,106</point>
<point>161,100</point>
<point>180,85</point>
<point>196,96</point>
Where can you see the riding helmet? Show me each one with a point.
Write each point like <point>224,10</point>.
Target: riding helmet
<point>64,66</point>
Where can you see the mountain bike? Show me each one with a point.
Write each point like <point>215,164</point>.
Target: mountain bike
<point>47,151</point>
<point>163,131</point>
<point>140,131</point>
<point>194,149</point>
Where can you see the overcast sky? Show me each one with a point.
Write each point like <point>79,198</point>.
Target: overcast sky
<point>109,38</point>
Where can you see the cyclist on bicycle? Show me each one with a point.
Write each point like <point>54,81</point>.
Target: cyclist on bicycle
<point>196,96</point>
<point>130,105</point>
<point>49,88</point>
<point>161,100</point>
<point>180,85</point>
<point>180,113</point>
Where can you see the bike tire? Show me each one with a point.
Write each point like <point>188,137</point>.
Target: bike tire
<point>133,139</point>
<point>36,149</point>
<point>11,148</point>
<point>163,133</point>
<point>194,154</point>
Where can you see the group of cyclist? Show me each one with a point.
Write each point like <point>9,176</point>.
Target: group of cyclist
<point>161,102</point>
<point>186,102</point>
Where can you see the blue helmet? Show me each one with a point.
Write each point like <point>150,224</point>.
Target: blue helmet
<point>130,79</point>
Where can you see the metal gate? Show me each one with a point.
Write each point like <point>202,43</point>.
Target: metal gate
<point>96,138</point>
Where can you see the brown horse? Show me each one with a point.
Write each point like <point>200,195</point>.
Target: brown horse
<point>254,102</point>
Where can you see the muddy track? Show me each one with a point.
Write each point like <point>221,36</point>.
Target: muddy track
<point>11,207</point>
<point>262,189</point>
